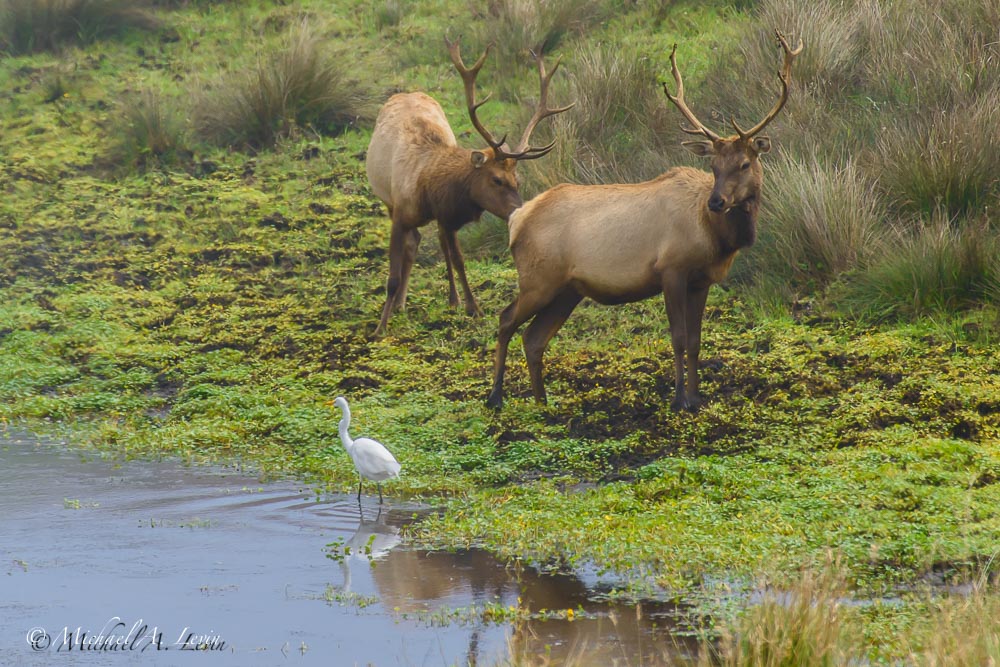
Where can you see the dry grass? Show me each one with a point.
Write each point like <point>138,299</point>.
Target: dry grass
<point>804,625</point>
<point>295,85</point>
<point>819,221</point>
<point>516,27</point>
<point>942,266</point>
<point>45,25</point>
<point>150,130</point>
<point>896,103</point>
<point>621,129</point>
<point>944,160</point>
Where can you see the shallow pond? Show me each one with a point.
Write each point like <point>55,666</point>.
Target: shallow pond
<point>148,559</point>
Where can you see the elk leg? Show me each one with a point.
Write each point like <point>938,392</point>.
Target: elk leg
<point>471,307</point>
<point>445,239</point>
<point>410,246</point>
<point>695,312</point>
<point>397,250</point>
<point>512,317</point>
<point>540,332</point>
<point>675,294</point>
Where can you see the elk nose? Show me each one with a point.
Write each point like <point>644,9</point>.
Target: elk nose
<point>716,203</point>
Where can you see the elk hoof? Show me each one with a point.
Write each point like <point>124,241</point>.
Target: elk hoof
<point>474,311</point>
<point>495,399</point>
<point>685,402</point>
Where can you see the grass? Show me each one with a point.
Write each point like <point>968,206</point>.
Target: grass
<point>888,144</point>
<point>938,268</point>
<point>516,27</point>
<point>804,624</point>
<point>27,26</point>
<point>297,85</point>
<point>943,161</point>
<point>208,308</point>
<point>151,132</point>
<point>822,221</point>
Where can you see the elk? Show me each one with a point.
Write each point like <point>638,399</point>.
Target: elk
<point>416,167</point>
<point>677,234</point>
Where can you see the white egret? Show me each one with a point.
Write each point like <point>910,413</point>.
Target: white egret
<point>371,459</point>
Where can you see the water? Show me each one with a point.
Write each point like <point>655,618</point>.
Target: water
<point>163,557</point>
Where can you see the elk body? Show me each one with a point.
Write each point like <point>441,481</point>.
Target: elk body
<point>677,235</point>
<point>416,167</point>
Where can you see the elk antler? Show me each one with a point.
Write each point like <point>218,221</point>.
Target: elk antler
<point>524,150</point>
<point>469,79</point>
<point>678,100</point>
<point>784,75</point>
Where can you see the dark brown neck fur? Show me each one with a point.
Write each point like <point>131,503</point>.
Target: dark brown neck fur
<point>445,188</point>
<point>736,228</point>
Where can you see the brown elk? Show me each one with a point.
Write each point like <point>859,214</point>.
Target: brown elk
<point>677,234</point>
<point>417,168</point>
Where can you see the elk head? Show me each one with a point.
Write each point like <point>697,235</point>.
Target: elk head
<point>734,160</point>
<point>494,183</point>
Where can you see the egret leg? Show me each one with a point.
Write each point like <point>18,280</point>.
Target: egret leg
<point>379,485</point>
<point>359,490</point>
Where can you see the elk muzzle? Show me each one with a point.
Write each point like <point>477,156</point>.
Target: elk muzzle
<point>716,203</point>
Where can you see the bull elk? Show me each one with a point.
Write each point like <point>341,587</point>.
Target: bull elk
<point>416,167</point>
<point>677,234</point>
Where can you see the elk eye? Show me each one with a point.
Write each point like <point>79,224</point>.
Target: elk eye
<point>745,165</point>
<point>497,181</point>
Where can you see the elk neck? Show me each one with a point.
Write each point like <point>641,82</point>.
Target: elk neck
<point>446,190</point>
<point>735,228</point>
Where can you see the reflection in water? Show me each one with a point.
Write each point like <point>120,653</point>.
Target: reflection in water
<point>214,551</point>
<point>370,543</point>
<point>607,634</point>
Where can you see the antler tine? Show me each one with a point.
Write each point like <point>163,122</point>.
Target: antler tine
<point>524,150</point>
<point>678,100</point>
<point>784,75</point>
<point>468,75</point>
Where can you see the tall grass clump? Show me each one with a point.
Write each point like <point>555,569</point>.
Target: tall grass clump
<point>515,27</point>
<point>947,160</point>
<point>804,625</point>
<point>621,128</point>
<point>295,84</point>
<point>965,632</point>
<point>897,102</point>
<point>993,281</point>
<point>150,130</point>
<point>818,221</point>
<point>940,267</point>
<point>387,14</point>
<point>28,26</point>
<point>921,55</point>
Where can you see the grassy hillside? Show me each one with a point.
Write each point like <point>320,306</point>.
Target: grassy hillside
<point>191,263</point>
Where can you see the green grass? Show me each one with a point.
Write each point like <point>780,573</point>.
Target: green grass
<point>209,307</point>
<point>27,26</point>
<point>297,85</point>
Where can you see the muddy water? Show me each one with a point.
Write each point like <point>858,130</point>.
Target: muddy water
<point>136,563</point>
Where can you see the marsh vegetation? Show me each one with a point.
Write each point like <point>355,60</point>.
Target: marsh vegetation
<point>192,262</point>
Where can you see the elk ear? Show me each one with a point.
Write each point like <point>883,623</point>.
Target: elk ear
<point>478,159</point>
<point>762,144</point>
<point>700,148</point>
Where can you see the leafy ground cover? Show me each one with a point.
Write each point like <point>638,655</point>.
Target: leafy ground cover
<point>211,307</point>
